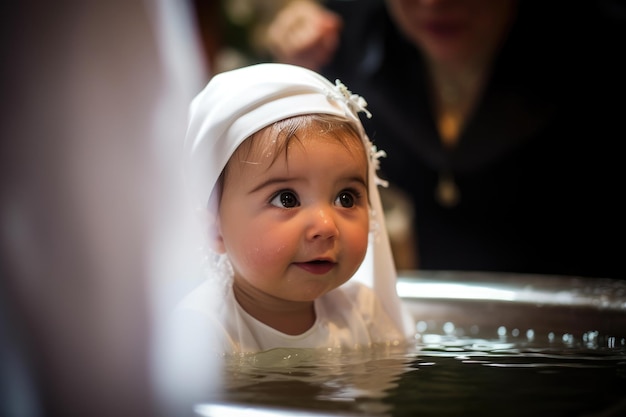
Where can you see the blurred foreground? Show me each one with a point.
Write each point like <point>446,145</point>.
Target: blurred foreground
<point>92,232</point>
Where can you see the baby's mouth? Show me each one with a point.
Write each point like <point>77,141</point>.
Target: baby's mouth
<point>317,266</point>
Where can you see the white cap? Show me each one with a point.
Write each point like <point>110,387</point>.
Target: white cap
<point>235,104</point>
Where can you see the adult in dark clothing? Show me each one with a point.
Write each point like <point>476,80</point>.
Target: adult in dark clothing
<point>528,179</point>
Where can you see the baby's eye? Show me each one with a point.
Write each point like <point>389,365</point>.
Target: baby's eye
<point>286,199</point>
<point>346,199</point>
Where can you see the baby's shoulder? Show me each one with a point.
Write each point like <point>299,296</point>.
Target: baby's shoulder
<point>206,298</point>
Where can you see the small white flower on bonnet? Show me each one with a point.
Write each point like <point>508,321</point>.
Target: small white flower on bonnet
<point>354,101</point>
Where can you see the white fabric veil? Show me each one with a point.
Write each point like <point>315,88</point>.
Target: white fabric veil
<point>237,103</point>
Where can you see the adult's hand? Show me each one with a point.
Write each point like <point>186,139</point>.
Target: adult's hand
<point>304,33</point>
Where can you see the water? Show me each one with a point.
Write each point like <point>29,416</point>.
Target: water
<point>440,375</point>
<point>487,345</point>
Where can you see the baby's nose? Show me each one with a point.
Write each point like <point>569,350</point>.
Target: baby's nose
<point>322,224</point>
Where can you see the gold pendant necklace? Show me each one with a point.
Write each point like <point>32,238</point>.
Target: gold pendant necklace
<point>447,192</point>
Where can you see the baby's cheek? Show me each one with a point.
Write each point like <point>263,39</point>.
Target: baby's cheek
<point>266,253</point>
<point>359,247</point>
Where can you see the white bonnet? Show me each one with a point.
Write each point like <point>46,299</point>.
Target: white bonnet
<point>237,103</point>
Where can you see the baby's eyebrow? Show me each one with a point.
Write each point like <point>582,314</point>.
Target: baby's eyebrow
<point>359,179</point>
<point>272,182</point>
<point>282,180</point>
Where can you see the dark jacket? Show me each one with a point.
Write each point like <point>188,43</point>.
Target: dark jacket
<point>537,165</point>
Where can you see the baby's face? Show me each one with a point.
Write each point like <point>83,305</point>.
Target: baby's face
<point>295,225</point>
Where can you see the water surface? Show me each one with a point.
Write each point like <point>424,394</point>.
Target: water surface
<point>438,376</point>
<point>488,344</point>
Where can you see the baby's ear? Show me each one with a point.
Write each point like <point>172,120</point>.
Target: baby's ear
<point>215,232</point>
<point>212,221</point>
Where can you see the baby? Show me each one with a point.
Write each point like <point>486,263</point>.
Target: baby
<point>279,160</point>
